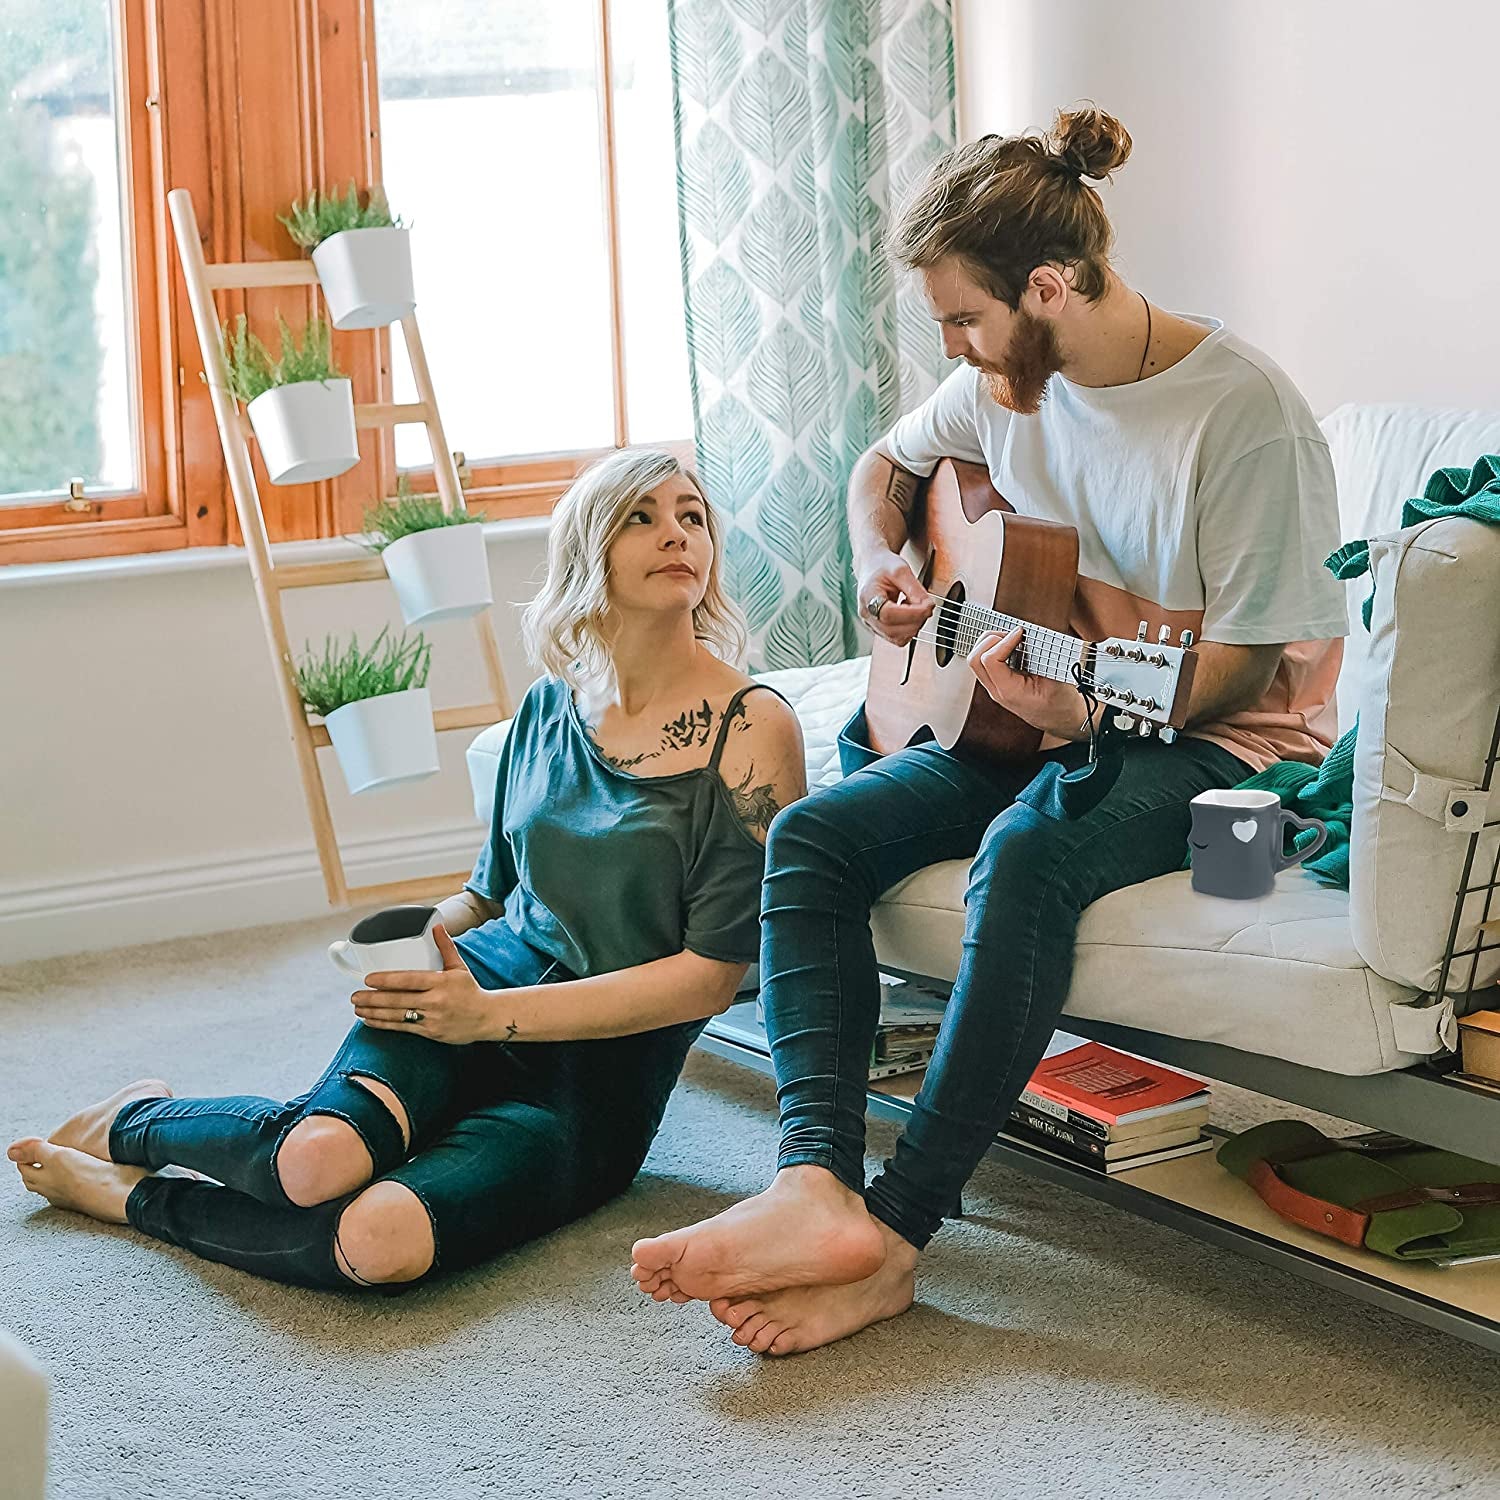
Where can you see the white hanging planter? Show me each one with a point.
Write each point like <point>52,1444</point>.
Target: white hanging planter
<point>441,574</point>
<point>385,741</point>
<point>306,430</point>
<point>366,276</point>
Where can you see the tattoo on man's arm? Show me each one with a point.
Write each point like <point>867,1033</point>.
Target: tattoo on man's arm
<point>512,1031</point>
<point>901,490</point>
<point>757,807</point>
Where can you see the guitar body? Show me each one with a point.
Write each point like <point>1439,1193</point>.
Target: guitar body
<point>971,547</point>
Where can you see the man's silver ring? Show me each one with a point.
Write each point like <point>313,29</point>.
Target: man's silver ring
<point>875,605</point>
<point>413,1017</point>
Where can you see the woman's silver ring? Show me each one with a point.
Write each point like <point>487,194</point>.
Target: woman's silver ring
<point>413,1017</point>
<point>875,605</point>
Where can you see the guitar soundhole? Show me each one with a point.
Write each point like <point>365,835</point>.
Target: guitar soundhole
<point>949,622</point>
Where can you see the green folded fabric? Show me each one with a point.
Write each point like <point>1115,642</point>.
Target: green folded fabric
<point>1327,791</point>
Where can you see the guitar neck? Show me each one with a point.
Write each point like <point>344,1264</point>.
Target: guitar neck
<point>1042,653</point>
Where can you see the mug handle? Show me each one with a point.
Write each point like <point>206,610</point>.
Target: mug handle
<point>1286,861</point>
<point>339,952</point>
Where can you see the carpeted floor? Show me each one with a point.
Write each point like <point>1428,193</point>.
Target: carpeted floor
<point>1059,1349</point>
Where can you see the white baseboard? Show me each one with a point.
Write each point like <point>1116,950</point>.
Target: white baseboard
<point>153,903</point>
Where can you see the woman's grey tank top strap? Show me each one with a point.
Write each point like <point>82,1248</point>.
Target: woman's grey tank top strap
<point>731,711</point>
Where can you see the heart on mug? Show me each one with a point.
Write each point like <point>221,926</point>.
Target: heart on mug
<point>1245,831</point>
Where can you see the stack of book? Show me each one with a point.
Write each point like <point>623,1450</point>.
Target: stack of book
<point>1110,1111</point>
<point>911,1015</point>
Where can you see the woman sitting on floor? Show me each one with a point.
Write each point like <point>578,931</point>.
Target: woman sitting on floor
<point>613,909</point>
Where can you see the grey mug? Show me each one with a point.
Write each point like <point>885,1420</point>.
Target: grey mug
<point>1237,840</point>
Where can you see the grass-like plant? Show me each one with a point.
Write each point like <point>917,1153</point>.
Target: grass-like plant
<point>348,674</point>
<point>403,513</point>
<point>252,371</point>
<point>311,222</point>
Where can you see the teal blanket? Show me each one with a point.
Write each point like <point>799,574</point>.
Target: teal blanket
<point>1327,791</point>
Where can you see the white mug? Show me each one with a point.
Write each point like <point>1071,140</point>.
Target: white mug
<point>398,938</point>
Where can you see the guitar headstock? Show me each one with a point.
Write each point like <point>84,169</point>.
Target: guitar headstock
<point>1147,684</point>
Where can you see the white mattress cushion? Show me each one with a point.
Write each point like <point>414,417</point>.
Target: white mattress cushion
<point>1277,976</point>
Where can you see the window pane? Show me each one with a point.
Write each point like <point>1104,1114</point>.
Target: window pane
<point>659,402</point>
<point>490,144</point>
<point>66,363</point>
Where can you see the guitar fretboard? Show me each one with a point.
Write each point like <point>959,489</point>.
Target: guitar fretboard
<point>1044,652</point>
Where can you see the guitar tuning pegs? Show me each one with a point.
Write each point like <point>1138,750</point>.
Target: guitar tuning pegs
<point>1135,654</point>
<point>1163,635</point>
<point>1157,659</point>
<point>1186,638</point>
<point>1125,722</point>
<point>1168,734</point>
<point>1113,650</point>
<point>1144,729</point>
<point>1140,631</point>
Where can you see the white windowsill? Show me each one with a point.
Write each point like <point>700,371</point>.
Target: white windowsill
<point>199,559</point>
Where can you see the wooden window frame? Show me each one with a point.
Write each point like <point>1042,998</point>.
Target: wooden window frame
<point>193,100</point>
<point>149,517</point>
<point>530,484</point>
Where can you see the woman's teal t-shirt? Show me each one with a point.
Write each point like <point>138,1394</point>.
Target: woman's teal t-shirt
<point>603,870</point>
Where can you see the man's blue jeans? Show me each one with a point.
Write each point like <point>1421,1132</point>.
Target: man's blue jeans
<point>1040,853</point>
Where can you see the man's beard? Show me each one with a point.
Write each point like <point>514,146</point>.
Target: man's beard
<point>1020,382</point>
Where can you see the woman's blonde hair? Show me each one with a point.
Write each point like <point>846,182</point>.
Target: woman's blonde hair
<point>1006,205</point>
<point>567,626</point>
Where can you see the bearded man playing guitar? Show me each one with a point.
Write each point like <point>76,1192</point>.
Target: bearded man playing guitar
<point>1202,495</point>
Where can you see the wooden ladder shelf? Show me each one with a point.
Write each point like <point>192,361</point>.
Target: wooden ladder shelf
<point>203,280</point>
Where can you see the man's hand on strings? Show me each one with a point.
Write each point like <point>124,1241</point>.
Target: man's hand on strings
<point>1056,708</point>
<point>892,601</point>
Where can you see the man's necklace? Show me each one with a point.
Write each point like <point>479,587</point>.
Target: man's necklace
<point>1147,349</point>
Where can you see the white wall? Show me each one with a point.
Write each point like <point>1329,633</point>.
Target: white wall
<point>1321,174</point>
<point>148,787</point>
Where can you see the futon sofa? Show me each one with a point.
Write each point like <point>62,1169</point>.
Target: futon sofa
<point>1323,986</point>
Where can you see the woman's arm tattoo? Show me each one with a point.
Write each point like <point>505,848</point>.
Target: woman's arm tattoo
<point>757,807</point>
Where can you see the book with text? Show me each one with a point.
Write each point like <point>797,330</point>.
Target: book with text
<point>1110,1088</point>
<point>1030,1122</point>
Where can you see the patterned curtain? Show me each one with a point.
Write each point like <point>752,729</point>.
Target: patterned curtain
<point>800,123</point>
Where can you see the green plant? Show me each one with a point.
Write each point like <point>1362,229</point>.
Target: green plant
<point>312,222</point>
<point>347,674</point>
<point>403,513</point>
<point>252,372</point>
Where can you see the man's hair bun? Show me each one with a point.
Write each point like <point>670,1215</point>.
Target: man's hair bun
<point>1089,142</point>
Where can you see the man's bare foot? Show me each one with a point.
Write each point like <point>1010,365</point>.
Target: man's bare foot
<point>807,1317</point>
<point>72,1179</point>
<point>88,1130</point>
<point>806,1229</point>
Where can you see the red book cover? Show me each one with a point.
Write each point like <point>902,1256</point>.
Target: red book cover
<point>1112,1086</point>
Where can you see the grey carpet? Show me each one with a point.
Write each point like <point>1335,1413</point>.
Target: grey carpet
<point>1059,1349</point>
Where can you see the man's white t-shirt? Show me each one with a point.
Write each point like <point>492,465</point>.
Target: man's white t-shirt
<point>1203,498</point>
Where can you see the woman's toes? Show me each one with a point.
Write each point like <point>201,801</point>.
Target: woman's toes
<point>745,1333</point>
<point>26,1150</point>
<point>765,1336</point>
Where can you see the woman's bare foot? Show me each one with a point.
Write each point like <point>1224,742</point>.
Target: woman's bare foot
<point>72,1179</point>
<point>88,1130</point>
<point>807,1317</point>
<point>806,1229</point>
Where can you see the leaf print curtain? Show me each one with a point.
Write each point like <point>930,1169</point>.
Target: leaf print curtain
<point>800,125</point>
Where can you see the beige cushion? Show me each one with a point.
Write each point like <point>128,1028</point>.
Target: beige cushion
<point>1430,692</point>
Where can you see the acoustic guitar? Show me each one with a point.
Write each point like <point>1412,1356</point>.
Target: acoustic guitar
<point>992,570</point>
